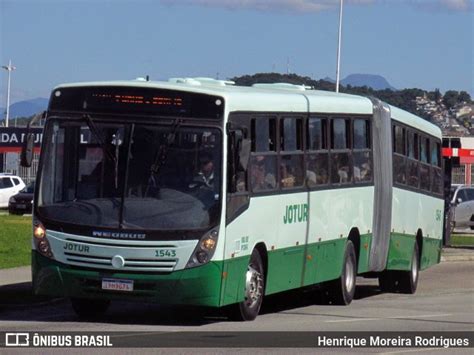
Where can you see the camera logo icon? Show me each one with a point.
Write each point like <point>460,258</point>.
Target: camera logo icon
<point>17,339</point>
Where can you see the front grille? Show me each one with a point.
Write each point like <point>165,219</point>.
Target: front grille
<point>132,255</point>
<point>130,264</point>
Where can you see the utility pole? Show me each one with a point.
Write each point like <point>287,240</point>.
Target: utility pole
<point>9,68</point>
<point>339,48</point>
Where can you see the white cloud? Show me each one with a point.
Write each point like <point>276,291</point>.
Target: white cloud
<point>315,5</point>
<point>458,5</point>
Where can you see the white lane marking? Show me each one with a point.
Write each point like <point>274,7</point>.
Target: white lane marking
<point>396,317</point>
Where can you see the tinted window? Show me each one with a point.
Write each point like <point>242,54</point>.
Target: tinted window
<point>291,134</point>
<point>361,134</point>
<point>317,134</point>
<point>412,173</point>
<point>5,183</point>
<point>16,181</point>
<point>469,194</point>
<point>413,145</point>
<point>435,154</point>
<point>399,140</point>
<point>399,169</point>
<point>291,172</point>
<point>437,183</point>
<point>263,135</point>
<point>317,169</point>
<point>341,173</point>
<point>362,167</point>
<point>461,195</point>
<point>263,173</point>
<point>339,133</point>
<point>424,149</point>
<point>424,177</point>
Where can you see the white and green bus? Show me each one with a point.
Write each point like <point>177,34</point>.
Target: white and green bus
<point>200,192</point>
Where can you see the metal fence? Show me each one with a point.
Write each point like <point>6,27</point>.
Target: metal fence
<point>27,174</point>
<point>458,175</point>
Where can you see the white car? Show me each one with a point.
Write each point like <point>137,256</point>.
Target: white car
<point>9,185</point>
<point>462,206</point>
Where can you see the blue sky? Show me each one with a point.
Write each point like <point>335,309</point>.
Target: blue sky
<point>412,43</point>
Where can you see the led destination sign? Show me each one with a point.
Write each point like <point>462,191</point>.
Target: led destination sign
<point>133,100</point>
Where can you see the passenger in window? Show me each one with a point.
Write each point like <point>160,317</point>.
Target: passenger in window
<point>311,178</point>
<point>260,179</point>
<point>287,178</point>
<point>340,170</point>
<point>205,175</point>
<point>241,185</point>
<point>317,172</point>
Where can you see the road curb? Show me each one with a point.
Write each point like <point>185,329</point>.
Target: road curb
<point>461,253</point>
<point>453,258</point>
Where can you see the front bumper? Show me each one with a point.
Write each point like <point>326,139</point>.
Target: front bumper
<point>200,286</point>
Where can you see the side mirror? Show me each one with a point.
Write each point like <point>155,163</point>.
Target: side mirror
<point>26,156</point>
<point>459,200</point>
<point>27,150</point>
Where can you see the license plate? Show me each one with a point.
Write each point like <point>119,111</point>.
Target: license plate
<point>117,285</point>
<point>21,206</point>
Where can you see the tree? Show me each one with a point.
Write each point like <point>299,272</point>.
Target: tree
<point>450,98</point>
<point>464,97</point>
<point>435,95</point>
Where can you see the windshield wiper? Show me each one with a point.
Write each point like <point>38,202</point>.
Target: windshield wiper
<point>95,131</point>
<point>162,154</point>
<point>116,141</point>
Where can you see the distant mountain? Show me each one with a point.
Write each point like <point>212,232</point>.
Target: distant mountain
<point>331,80</point>
<point>25,108</point>
<point>375,82</point>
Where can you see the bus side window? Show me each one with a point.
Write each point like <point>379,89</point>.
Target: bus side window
<point>412,169</point>
<point>437,175</point>
<point>317,162</point>
<point>399,156</point>
<point>263,160</point>
<point>341,172</point>
<point>361,151</point>
<point>424,166</point>
<point>291,162</point>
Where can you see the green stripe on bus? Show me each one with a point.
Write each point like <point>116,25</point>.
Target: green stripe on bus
<point>196,286</point>
<point>401,251</point>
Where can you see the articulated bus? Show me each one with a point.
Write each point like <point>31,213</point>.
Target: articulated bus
<point>199,192</point>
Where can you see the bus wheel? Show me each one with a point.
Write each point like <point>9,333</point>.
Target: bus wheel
<point>408,280</point>
<point>343,289</point>
<point>254,285</point>
<point>89,308</point>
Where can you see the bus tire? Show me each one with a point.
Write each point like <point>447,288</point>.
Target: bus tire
<point>249,308</point>
<point>343,289</point>
<point>408,280</point>
<point>88,308</point>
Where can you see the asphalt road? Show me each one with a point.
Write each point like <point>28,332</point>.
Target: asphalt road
<point>444,302</point>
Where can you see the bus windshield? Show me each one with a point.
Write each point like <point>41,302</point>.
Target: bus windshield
<point>130,176</point>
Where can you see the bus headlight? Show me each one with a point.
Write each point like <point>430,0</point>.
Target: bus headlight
<point>41,240</point>
<point>38,230</point>
<point>204,249</point>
